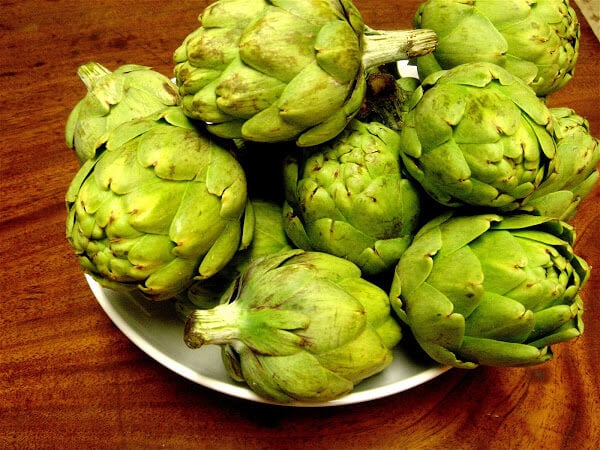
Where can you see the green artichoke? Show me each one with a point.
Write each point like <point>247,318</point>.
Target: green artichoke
<point>349,198</point>
<point>300,326</point>
<point>572,174</point>
<point>267,237</point>
<point>130,92</point>
<point>273,71</point>
<point>537,40</point>
<point>163,204</point>
<point>491,290</point>
<point>476,135</point>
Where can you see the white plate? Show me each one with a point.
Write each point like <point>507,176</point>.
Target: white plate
<point>156,329</point>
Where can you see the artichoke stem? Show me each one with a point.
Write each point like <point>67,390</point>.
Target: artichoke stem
<point>383,104</point>
<point>212,326</point>
<point>382,46</point>
<point>91,72</point>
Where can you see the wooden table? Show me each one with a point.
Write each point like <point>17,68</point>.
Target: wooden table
<point>69,378</point>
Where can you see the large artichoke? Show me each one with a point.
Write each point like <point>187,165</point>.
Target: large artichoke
<point>349,198</point>
<point>537,40</point>
<point>162,204</point>
<point>300,326</point>
<point>491,290</point>
<point>572,174</point>
<point>130,92</point>
<point>272,70</point>
<point>476,135</point>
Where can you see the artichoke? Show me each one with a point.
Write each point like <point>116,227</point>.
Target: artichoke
<point>477,136</point>
<point>273,71</point>
<point>538,41</point>
<point>162,205</point>
<point>349,198</point>
<point>300,326</point>
<point>491,290</point>
<point>572,174</point>
<point>130,92</point>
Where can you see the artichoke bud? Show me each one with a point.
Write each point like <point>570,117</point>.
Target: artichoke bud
<point>349,198</point>
<point>299,326</point>
<point>491,290</point>
<point>536,41</point>
<point>572,173</point>
<point>477,136</point>
<point>304,85</point>
<point>145,218</point>
<point>128,93</point>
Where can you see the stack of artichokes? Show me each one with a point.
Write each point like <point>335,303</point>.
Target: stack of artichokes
<point>303,205</point>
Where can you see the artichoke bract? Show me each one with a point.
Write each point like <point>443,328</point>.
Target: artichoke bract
<point>130,92</point>
<point>348,197</point>
<point>300,326</point>
<point>162,205</point>
<point>573,172</point>
<point>273,71</point>
<point>477,136</point>
<point>491,290</point>
<point>538,40</point>
<point>267,237</point>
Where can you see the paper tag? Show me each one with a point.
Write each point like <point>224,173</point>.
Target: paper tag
<point>591,10</point>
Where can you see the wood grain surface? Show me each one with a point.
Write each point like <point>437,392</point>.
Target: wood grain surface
<point>70,379</point>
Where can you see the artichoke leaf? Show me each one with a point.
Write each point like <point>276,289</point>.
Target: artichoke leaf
<point>277,378</point>
<point>321,96</point>
<point>345,359</point>
<point>432,318</point>
<point>243,92</point>
<point>169,280</point>
<point>500,318</point>
<point>282,58</point>
<point>334,54</point>
<point>416,263</point>
<point>232,13</point>
<point>268,125</point>
<point>320,133</point>
<point>222,250</point>
<point>550,320</point>
<point>459,276</point>
<point>231,129</point>
<point>463,43</point>
<point>491,352</point>
<point>294,228</point>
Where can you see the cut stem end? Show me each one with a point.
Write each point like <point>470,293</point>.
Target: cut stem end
<point>383,47</point>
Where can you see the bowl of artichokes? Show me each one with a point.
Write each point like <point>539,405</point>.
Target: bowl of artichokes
<point>342,213</point>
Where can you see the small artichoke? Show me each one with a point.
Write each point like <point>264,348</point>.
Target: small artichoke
<point>538,40</point>
<point>273,71</point>
<point>300,326</point>
<point>491,290</point>
<point>478,136</point>
<point>130,92</point>
<point>349,198</point>
<point>162,204</point>
<point>572,174</point>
